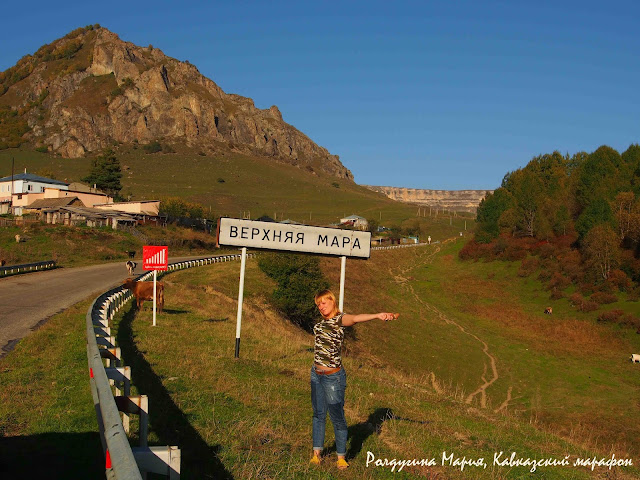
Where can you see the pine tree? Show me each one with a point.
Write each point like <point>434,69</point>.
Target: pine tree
<point>105,174</point>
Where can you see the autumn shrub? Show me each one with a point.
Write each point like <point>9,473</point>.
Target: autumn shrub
<point>576,300</point>
<point>558,281</point>
<point>582,304</point>
<point>603,298</point>
<point>589,306</point>
<point>499,247</point>
<point>619,280</point>
<point>611,316</point>
<point>556,294</point>
<point>470,251</point>
<point>569,263</point>
<point>586,288</point>
<point>514,252</point>
<point>547,250</point>
<point>629,320</point>
<point>547,269</point>
<point>528,266</point>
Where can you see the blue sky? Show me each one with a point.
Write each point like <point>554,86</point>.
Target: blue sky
<point>437,95</point>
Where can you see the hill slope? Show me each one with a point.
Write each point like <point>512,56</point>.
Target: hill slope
<point>239,185</point>
<point>417,388</point>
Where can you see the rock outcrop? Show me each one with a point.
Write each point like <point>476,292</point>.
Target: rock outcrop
<point>459,200</point>
<point>90,90</point>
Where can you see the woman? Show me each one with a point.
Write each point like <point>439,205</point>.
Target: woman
<point>328,378</point>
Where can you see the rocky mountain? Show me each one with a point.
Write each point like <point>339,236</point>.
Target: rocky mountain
<point>460,200</point>
<point>90,90</point>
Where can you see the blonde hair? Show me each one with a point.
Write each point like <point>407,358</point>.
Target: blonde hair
<point>321,295</point>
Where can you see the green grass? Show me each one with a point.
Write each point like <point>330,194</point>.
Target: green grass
<point>409,381</point>
<point>252,186</point>
<point>393,408</point>
<point>48,424</point>
<point>566,372</point>
<point>81,245</point>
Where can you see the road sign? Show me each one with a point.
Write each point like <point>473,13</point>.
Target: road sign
<point>294,238</point>
<point>291,238</point>
<point>155,257</point>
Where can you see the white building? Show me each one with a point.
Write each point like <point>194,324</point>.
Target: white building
<point>356,221</point>
<point>24,184</point>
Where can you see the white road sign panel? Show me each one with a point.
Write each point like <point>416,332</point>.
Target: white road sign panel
<point>294,238</point>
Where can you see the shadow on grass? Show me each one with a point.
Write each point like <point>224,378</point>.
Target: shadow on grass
<point>302,350</point>
<point>52,456</point>
<point>166,420</point>
<point>216,320</point>
<point>359,433</point>
<point>173,311</point>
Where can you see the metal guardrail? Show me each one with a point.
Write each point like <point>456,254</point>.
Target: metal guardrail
<point>27,267</point>
<point>121,460</point>
<point>405,245</point>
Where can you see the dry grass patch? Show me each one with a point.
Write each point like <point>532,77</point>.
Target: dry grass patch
<point>554,335</point>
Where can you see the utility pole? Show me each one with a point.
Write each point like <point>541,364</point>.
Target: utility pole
<point>11,190</point>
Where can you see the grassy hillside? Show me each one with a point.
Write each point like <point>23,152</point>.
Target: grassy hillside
<point>235,185</point>
<point>471,368</point>
<point>77,246</point>
<point>480,329</point>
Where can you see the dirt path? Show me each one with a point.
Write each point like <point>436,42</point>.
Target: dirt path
<point>400,277</point>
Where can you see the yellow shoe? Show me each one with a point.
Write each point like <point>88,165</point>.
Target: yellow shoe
<point>342,464</point>
<point>315,460</point>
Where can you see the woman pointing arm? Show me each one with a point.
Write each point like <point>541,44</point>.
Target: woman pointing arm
<point>328,378</point>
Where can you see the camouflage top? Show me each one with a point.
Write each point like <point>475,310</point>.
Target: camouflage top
<point>329,334</point>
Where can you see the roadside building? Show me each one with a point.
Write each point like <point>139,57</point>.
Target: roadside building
<point>13,188</point>
<point>355,221</point>
<point>141,207</point>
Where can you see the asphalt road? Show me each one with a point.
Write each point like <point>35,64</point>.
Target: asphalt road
<point>28,300</point>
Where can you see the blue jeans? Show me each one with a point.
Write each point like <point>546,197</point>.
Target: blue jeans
<point>327,394</point>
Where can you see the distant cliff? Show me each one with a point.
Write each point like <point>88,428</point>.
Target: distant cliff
<point>90,90</point>
<point>460,200</point>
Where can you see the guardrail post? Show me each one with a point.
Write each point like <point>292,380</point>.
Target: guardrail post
<point>132,463</point>
<point>137,405</point>
<point>113,356</point>
<point>162,460</point>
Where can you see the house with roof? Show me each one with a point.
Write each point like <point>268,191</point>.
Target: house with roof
<point>14,187</point>
<point>355,221</point>
<point>142,207</point>
<point>21,203</point>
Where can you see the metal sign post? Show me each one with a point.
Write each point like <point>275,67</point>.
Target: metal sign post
<point>291,238</point>
<point>155,278</point>
<point>243,263</point>
<point>343,268</point>
<point>155,258</point>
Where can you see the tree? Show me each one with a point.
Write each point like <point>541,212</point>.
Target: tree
<point>623,208</point>
<point>631,165</point>
<point>299,278</point>
<point>105,174</point>
<point>562,220</point>
<point>489,212</point>
<point>598,176</point>
<point>601,247</point>
<point>598,212</point>
<point>372,225</point>
<point>527,194</point>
